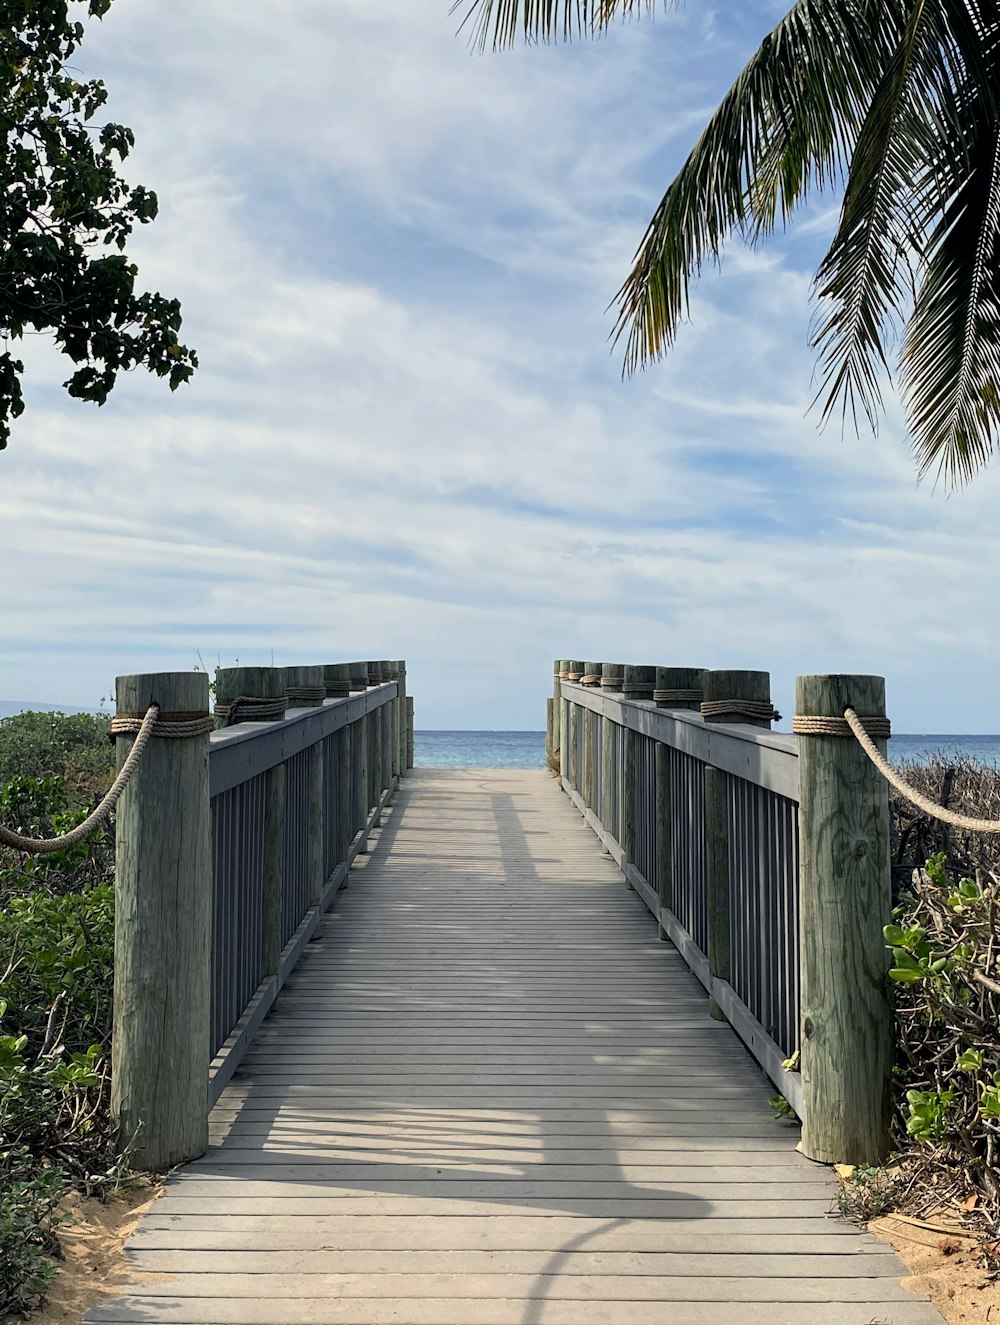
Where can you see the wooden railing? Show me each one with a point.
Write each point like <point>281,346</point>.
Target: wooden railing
<point>707,819</point>
<point>230,847</point>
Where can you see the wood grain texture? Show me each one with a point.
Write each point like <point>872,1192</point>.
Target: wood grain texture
<point>163,929</point>
<point>847,1038</point>
<point>491,1096</point>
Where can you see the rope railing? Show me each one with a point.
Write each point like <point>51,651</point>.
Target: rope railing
<point>866,730</point>
<point>36,846</point>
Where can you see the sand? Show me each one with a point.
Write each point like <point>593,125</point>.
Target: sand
<point>944,1266</point>
<point>93,1266</point>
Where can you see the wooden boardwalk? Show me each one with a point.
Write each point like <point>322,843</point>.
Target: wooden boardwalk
<point>490,1096</point>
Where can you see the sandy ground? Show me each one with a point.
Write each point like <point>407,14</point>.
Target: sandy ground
<point>93,1265</point>
<point>943,1266</point>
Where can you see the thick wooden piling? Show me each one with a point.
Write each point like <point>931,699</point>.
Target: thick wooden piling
<point>409,732</point>
<point>359,676</point>
<point>845,899</point>
<point>163,931</point>
<point>719,688</point>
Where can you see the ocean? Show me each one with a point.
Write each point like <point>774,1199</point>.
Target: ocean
<point>527,749</point>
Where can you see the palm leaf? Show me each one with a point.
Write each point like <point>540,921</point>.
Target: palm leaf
<point>790,121</point>
<point>951,352</point>
<point>863,278</point>
<point>498,23</point>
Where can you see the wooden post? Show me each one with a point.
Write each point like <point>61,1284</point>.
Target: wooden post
<point>338,686</point>
<point>574,673</point>
<point>592,680</point>
<point>638,684</point>
<point>718,686</point>
<point>409,732</point>
<point>345,806</point>
<point>338,680</point>
<point>362,775</point>
<point>305,687</point>
<point>612,680</point>
<point>562,720</point>
<point>676,688</point>
<point>549,710</point>
<point>679,688</point>
<point>378,729</point>
<point>401,719</point>
<point>374,674</point>
<point>264,683</point>
<point>664,881</point>
<point>847,1024</point>
<point>163,932</point>
<point>359,676</point>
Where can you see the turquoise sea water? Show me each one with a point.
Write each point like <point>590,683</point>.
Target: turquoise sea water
<point>479,749</point>
<point>527,749</point>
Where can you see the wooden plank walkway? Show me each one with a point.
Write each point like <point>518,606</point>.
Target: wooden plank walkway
<point>490,1096</point>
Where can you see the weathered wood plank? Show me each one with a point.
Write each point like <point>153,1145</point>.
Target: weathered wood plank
<point>492,1311</point>
<point>490,1097</point>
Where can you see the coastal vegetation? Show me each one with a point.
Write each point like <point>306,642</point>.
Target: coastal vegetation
<point>892,103</point>
<point>943,943</point>
<point>56,971</point>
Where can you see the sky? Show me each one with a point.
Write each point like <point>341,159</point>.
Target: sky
<point>410,435</point>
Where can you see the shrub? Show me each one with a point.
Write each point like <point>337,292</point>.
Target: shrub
<point>947,996</point>
<point>71,746</point>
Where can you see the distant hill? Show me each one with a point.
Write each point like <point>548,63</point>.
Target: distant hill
<point>8,707</point>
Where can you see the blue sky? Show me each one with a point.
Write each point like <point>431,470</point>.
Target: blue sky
<point>410,436</point>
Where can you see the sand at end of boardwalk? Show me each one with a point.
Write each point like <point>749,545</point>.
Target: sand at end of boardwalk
<point>943,1266</point>
<point>93,1267</point>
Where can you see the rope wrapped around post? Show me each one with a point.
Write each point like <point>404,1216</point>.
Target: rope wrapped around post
<point>250,708</point>
<point>866,730</point>
<point>678,696</point>
<point>166,725</point>
<point>742,708</point>
<point>305,696</point>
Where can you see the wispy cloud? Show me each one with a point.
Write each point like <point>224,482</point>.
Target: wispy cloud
<point>410,435</point>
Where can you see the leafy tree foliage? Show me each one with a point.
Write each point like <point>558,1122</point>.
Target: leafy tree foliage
<point>896,103</point>
<point>65,217</point>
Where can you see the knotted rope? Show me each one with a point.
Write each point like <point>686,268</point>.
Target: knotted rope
<point>739,708</point>
<point>250,708</point>
<point>864,729</point>
<point>678,696</point>
<point>305,696</point>
<point>591,679</point>
<point>144,726</point>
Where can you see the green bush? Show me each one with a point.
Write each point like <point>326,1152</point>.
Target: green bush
<point>70,746</point>
<point>56,975</point>
<point>27,1230</point>
<point>947,995</point>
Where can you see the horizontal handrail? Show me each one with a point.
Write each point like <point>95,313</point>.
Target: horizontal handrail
<point>247,749</point>
<point>769,759</point>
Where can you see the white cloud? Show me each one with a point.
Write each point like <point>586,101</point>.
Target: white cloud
<point>409,436</point>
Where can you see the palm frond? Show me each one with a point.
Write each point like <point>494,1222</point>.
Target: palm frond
<point>950,357</point>
<point>863,280</point>
<point>499,23</point>
<point>791,120</point>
